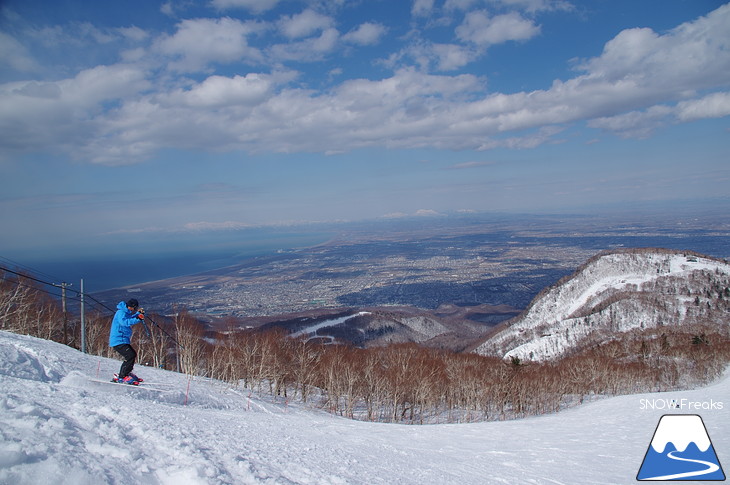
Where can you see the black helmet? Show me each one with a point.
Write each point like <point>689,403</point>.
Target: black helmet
<point>133,303</point>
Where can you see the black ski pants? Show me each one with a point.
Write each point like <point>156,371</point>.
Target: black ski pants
<point>130,355</point>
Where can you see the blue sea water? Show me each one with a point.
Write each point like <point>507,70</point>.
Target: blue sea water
<point>117,269</point>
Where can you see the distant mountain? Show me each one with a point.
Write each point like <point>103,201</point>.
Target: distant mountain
<point>616,292</point>
<point>450,327</point>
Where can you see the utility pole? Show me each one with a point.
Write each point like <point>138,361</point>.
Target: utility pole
<point>83,320</point>
<point>65,317</point>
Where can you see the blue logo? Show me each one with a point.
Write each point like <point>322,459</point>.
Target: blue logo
<point>681,450</point>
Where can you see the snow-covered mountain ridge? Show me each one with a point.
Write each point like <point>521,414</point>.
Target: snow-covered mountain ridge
<point>616,292</point>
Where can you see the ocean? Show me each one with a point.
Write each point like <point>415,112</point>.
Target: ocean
<point>115,270</point>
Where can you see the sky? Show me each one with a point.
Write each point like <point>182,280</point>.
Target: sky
<point>139,120</point>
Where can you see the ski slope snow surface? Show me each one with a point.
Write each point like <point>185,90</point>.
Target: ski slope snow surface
<point>60,423</point>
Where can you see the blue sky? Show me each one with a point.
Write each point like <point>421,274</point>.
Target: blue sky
<point>143,120</point>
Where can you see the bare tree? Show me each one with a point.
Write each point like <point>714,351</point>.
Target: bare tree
<point>304,360</point>
<point>191,349</point>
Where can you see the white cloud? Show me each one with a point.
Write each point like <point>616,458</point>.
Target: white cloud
<point>404,85</point>
<point>394,215</point>
<point>422,7</point>
<point>92,87</point>
<point>433,56</point>
<point>627,54</point>
<point>536,5</point>
<point>452,56</point>
<point>35,89</point>
<point>15,55</point>
<point>545,134</point>
<point>641,124</point>
<point>82,35</point>
<point>86,91</point>
<point>133,33</point>
<point>218,91</point>
<point>167,9</point>
<point>99,36</point>
<point>199,42</point>
<point>640,67</point>
<point>304,24</point>
<point>635,124</point>
<point>481,29</point>
<point>526,5</point>
<point>472,164</point>
<point>690,57</point>
<point>368,33</point>
<point>215,226</point>
<point>63,114</point>
<point>306,50</point>
<point>641,80</point>
<point>530,6</point>
<point>715,105</point>
<point>458,4</point>
<point>255,6</point>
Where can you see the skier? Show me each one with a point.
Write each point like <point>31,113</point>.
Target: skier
<point>120,336</point>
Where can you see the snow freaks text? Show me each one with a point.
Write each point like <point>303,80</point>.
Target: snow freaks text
<point>683,404</point>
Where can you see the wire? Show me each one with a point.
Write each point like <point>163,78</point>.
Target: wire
<point>28,268</point>
<point>19,283</point>
<point>98,302</point>
<point>25,275</point>
<point>78,298</point>
<point>55,285</point>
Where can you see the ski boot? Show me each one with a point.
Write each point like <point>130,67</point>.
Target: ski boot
<point>136,377</point>
<point>126,380</point>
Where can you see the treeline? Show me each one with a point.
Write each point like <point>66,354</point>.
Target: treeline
<point>26,309</point>
<point>413,384</point>
<point>402,383</point>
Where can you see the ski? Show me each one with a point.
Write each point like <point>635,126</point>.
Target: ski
<point>134,386</point>
<point>160,384</point>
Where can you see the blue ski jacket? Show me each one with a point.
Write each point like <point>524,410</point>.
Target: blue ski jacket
<point>121,331</point>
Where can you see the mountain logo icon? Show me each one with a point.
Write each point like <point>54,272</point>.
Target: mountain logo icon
<point>681,450</point>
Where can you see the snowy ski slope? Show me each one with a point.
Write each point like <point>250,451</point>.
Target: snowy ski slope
<point>57,425</point>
